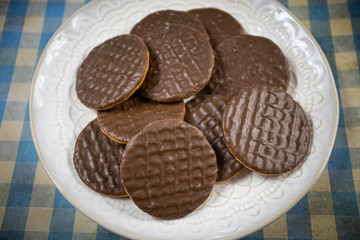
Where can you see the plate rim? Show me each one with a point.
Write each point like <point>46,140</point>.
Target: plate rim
<point>124,232</point>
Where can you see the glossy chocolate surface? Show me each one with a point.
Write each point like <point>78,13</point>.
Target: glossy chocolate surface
<point>169,169</point>
<point>181,63</point>
<point>266,129</point>
<point>219,25</point>
<point>130,117</point>
<point>97,161</point>
<point>166,17</point>
<point>205,112</point>
<point>247,60</point>
<point>112,72</point>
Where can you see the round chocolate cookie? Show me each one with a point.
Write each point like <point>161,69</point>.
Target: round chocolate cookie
<point>166,17</point>
<point>266,130</point>
<point>246,60</point>
<point>181,63</point>
<point>123,121</point>
<point>169,169</point>
<point>205,112</point>
<point>219,25</point>
<point>97,161</point>
<point>112,72</point>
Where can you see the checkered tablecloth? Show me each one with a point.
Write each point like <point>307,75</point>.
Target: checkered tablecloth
<point>32,208</point>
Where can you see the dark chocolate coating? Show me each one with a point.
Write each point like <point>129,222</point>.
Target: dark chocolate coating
<point>128,118</point>
<point>247,60</point>
<point>205,112</point>
<point>166,17</point>
<point>112,72</point>
<point>97,161</point>
<point>181,63</point>
<point>169,169</point>
<point>219,25</point>
<point>266,130</point>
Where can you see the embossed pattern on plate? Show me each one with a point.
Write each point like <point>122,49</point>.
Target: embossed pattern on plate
<point>236,208</point>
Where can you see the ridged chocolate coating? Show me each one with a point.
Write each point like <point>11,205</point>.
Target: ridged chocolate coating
<point>205,112</point>
<point>266,130</point>
<point>247,60</point>
<point>128,118</point>
<point>97,161</point>
<point>166,17</point>
<point>112,72</point>
<point>219,25</point>
<point>169,169</point>
<point>181,63</point>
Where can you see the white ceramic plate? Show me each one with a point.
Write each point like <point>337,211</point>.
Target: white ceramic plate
<point>236,208</point>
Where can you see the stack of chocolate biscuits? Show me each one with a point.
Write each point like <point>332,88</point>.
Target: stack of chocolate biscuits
<point>146,143</point>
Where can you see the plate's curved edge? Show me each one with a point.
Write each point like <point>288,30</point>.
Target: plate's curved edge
<point>72,201</point>
<point>125,233</point>
<point>333,134</point>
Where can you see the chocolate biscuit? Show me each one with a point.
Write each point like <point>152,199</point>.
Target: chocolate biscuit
<point>266,130</point>
<point>166,17</point>
<point>97,161</point>
<point>181,63</point>
<point>205,112</point>
<point>123,121</point>
<point>219,25</point>
<point>112,72</point>
<point>169,169</point>
<point>246,60</point>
